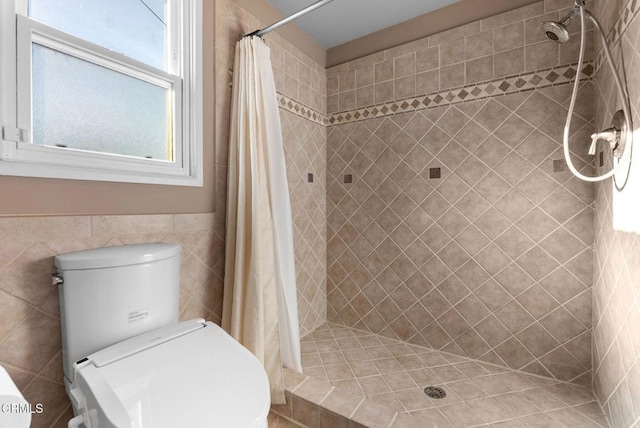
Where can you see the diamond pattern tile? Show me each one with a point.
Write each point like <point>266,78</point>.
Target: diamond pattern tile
<point>491,231</point>
<point>393,373</point>
<point>305,152</point>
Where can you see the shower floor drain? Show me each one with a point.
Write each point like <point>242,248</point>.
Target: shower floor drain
<point>434,392</point>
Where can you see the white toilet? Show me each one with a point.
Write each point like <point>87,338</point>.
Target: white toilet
<point>127,360</point>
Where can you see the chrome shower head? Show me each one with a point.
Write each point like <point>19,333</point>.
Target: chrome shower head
<point>555,31</point>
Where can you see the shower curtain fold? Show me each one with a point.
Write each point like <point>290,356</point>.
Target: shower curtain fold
<point>260,302</point>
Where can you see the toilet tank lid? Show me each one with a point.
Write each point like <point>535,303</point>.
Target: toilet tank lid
<point>122,255</point>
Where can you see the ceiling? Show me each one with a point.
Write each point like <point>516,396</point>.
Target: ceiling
<point>344,20</point>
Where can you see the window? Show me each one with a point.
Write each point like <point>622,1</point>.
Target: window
<point>102,90</point>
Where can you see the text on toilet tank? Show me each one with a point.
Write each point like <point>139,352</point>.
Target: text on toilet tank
<point>139,315</point>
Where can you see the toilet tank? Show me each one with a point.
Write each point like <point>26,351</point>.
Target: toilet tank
<point>111,294</point>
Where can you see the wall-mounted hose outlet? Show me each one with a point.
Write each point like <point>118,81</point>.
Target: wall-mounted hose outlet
<point>619,122</point>
<point>616,136</point>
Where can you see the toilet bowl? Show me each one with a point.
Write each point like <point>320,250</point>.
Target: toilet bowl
<point>127,361</point>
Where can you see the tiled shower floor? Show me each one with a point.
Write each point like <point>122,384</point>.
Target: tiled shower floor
<point>478,394</point>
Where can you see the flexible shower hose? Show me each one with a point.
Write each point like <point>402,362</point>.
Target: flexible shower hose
<point>623,96</point>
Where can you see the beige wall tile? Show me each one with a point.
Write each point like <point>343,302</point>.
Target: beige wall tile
<point>347,100</point>
<point>405,65</point>
<point>383,71</point>
<point>12,312</point>
<point>480,44</point>
<point>479,301</point>
<point>190,222</point>
<point>452,52</point>
<point>509,62</point>
<point>364,96</point>
<point>333,103</point>
<point>427,59</point>
<point>28,276</point>
<point>479,70</point>
<point>17,229</point>
<point>308,414</point>
<point>405,87</point>
<point>364,76</point>
<point>541,55</point>
<point>452,76</point>
<point>427,82</point>
<point>347,81</point>
<point>33,343</point>
<point>508,37</point>
<point>333,85</point>
<point>126,224</point>
<point>384,92</point>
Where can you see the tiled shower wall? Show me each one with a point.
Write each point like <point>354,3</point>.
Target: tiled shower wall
<point>29,314</point>
<point>616,306</point>
<point>502,45</point>
<point>492,260</point>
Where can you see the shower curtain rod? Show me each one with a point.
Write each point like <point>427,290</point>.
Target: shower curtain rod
<point>288,19</point>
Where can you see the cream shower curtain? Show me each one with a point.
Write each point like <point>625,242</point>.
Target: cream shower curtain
<point>260,306</point>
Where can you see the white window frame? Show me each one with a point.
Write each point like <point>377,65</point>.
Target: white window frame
<point>19,157</point>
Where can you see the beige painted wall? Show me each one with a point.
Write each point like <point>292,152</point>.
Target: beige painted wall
<point>39,196</point>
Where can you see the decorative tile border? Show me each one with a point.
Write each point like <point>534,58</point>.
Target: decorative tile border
<point>629,11</point>
<point>301,110</point>
<point>518,83</point>
<point>626,16</point>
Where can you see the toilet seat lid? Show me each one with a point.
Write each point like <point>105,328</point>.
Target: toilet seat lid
<point>203,378</point>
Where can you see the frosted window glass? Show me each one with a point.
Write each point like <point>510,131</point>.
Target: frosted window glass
<point>136,28</point>
<point>80,105</point>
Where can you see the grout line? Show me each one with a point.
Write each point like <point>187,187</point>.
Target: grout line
<point>300,384</point>
<point>626,374</point>
<point>393,419</point>
<point>287,418</point>
<point>328,393</point>
<point>59,418</point>
<point>362,400</point>
<point>561,264</point>
<point>479,362</point>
